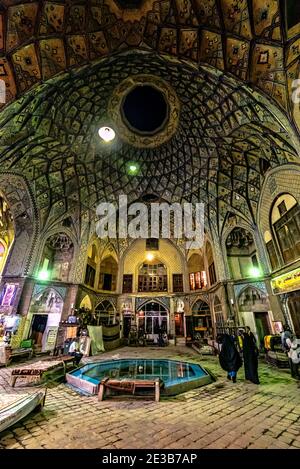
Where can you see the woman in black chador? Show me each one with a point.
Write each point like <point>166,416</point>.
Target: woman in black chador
<point>250,354</point>
<point>229,357</point>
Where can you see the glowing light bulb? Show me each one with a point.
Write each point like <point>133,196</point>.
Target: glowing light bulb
<point>107,134</point>
<point>150,256</point>
<point>133,168</point>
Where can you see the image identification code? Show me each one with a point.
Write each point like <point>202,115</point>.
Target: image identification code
<point>150,458</point>
<point>170,458</point>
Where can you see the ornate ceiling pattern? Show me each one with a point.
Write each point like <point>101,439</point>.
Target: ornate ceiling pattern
<point>255,40</point>
<point>227,134</point>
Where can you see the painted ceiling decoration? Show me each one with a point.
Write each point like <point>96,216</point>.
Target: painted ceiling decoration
<point>231,64</point>
<point>255,40</point>
<point>224,132</point>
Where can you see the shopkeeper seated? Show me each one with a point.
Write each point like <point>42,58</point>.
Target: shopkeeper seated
<point>75,350</point>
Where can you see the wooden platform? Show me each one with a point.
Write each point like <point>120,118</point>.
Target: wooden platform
<point>40,369</point>
<point>125,386</point>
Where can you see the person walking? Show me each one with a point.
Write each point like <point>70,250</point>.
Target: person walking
<point>229,357</point>
<point>250,356</point>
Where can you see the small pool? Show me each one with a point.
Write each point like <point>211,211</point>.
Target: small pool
<point>177,376</point>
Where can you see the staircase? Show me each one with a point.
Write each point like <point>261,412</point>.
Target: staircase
<point>180,341</point>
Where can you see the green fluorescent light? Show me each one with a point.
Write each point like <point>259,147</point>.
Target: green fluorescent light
<point>43,275</point>
<point>254,272</point>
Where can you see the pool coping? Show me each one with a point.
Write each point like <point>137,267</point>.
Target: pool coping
<point>92,388</point>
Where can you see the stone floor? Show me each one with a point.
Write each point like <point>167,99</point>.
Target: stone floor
<point>220,415</point>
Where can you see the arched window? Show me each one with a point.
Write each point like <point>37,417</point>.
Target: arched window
<point>152,277</point>
<point>105,314</point>
<point>285,219</point>
<point>57,258</point>
<point>271,250</point>
<point>197,274</point>
<point>90,272</point>
<point>86,303</point>
<point>202,323</point>
<point>108,274</point>
<point>241,254</point>
<point>211,264</point>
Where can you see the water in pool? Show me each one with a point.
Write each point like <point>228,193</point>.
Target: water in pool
<point>177,376</point>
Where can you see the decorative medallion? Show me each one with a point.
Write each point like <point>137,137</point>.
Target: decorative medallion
<point>134,134</point>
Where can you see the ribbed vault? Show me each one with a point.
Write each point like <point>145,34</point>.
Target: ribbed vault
<point>228,135</point>
<point>255,40</point>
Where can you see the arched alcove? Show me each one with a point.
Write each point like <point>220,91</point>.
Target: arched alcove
<point>211,264</point>
<point>241,254</point>
<point>105,313</point>
<point>57,258</point>
<point>91,266</point>
<point>196,271</point>
<point>108,274</point>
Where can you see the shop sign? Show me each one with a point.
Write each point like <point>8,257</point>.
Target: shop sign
<point>287,282</point>
<point>51,338</point>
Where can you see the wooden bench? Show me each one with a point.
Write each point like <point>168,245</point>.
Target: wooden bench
<point>129,386</point>
<point>10,354</point>
<point>41,368</point>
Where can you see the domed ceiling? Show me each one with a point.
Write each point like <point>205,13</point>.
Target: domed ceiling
<point>255,40</point>
<point>224,132</point>
<point>64,61</point>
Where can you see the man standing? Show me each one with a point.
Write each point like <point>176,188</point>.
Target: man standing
<point>294,356</point>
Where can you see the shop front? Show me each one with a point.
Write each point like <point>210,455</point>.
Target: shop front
<point>287,286</point>
<point>202,321</point>
<point>153,320</point>
<point>179,318</point>
<point>44,316</point>
<point>127,316</point>
<point>255,311</point>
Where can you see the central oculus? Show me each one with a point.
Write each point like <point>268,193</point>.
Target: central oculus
<point>145,109</point>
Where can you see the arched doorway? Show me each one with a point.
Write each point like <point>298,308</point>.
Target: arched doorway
<point>153,318</point>
<point>108,274</point>
<point>44,316</point>
<point>202,323</point>
<point>254,311</point>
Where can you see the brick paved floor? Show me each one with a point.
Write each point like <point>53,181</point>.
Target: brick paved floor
<point>220,415</point>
